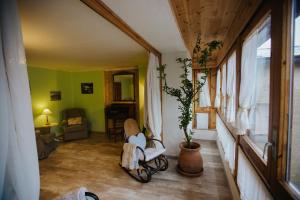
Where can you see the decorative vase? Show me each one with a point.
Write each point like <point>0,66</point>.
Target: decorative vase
<point>190,161</point>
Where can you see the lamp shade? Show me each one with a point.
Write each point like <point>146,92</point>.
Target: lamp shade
<point>46,111</point>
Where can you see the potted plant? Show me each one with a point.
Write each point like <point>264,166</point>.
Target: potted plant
<point>190,161</point>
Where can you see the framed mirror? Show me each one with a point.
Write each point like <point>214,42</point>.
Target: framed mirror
<point>123,87</point>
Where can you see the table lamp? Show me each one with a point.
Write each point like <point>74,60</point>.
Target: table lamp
<point>47,112</point>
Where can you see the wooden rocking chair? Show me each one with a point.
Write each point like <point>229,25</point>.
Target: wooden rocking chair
<point>151,159</point>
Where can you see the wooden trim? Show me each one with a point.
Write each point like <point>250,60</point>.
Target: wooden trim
<point>275,84</point>
<point>254,159</point>
<point>236,160</point>
<point>103,10</point>
<point>211,79</point>
<point>279,184</point>
<point>230,128</point>
<point>135,86</point>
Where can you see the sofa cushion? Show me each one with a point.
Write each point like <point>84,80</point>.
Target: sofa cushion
<point>74,121</point>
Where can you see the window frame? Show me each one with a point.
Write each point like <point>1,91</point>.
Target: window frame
<point>196,107</point>
<point>287,72</point>
<point>271,172</point>
<point>246,144</point>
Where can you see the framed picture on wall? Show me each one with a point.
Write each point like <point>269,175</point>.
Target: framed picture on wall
<point>87,88</point>
<point>55,95</point>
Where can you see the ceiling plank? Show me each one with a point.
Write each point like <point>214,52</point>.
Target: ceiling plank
<point>102,9</point>
<point>245,11</point>
<point>213,20</point>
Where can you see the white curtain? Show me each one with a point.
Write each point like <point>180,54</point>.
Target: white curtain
<point>223,88</point>
<point>204,95</point>
<point>218,90</point>
<point>153,118</point>
<point>231,88</point>
<point>247,86</point>
<point>227,142</point>
<point>19,170</point>
<point>250,185</point>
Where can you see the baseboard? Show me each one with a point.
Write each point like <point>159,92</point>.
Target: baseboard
<point>97,132</point>
<point>202,134</point>
<point>232,185</point>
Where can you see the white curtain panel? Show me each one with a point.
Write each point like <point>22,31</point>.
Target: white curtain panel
<point>153,118</point>
<point>227,142</point>
<point>250,185</point>
<point>218,90</point>
<point>231,88</point>
<point>204,95</point>
<point>223,88</point>
<point>247,86</point>
<point>19,170</point>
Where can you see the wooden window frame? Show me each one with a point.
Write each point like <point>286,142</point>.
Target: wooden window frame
<point>246,145</point>
<point>212,92</point>
<point>224,62</point>
<point>281,185</point>
<point>272,172</point>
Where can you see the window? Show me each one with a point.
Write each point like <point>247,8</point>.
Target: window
<point>223,89</point>
<point>293,172</point>
<point>202,102</point>
<point>255,85</point>
<point>231,88</point>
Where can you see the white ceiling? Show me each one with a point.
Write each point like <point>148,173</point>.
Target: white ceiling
<point>153,20</point>
<point>68,35</point>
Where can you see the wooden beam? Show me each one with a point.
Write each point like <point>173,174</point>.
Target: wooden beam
<point>103,10</point>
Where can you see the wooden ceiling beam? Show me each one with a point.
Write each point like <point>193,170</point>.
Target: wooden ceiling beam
<point>103,10</point>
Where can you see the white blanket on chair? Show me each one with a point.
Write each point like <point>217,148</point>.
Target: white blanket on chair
<point>77,194</point>
<point>130,157</point>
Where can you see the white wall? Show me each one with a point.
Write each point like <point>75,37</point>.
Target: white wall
<point>172,135</point>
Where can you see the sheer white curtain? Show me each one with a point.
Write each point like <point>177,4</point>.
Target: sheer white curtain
<point>223,88</point>
<point>231,88</point>
<point>19,171</point>
<point>204,95</point>
<point>227,142</point>
<point>153,119</point>
<point>250,185</point>
<point>218,90</point>
<point>247,86</point>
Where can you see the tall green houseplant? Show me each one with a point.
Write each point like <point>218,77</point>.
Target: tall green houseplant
<point>186,93</point>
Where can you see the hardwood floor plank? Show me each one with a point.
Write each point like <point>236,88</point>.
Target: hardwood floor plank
<point>94,163</point>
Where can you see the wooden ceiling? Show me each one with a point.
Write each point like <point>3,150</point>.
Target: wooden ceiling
<point>212,19</point>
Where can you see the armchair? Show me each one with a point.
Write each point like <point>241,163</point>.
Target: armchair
<point>75,124</point>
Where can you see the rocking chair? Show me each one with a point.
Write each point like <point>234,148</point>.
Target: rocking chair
<point>151,159</point>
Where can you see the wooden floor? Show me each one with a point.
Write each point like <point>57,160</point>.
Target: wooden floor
<point>93,163</point>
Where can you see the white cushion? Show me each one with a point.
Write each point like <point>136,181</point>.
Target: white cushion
<point>151,153</point>
<point>138,140</point>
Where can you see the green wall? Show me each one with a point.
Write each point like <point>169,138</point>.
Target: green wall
<point>92,103</point>
<point>42,81</point>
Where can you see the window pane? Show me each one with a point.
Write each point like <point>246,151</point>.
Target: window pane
<point>294,135</point>
<point>231,88</point>
<point>223,89</point>
<point>259,109</point>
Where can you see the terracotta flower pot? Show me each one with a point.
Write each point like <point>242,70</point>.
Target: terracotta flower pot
<point>190,161</point>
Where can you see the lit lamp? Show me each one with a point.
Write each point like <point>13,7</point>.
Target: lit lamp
<point>47,112</point>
